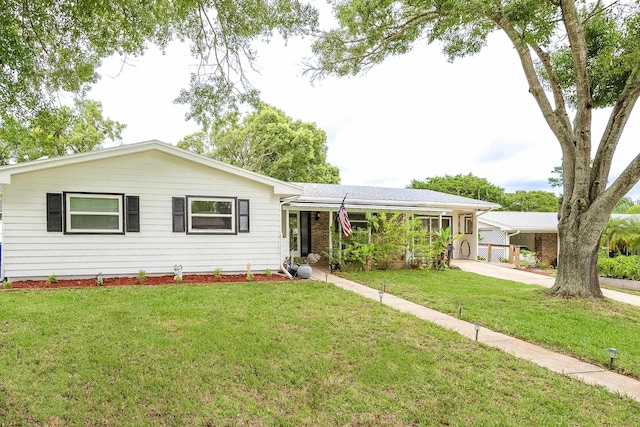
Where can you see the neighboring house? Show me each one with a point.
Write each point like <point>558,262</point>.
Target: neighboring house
<point>151,206</point>
<point>538,231</point>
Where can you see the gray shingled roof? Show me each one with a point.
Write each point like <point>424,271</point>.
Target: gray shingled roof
<point>525,221</point>
<point>364,195</point>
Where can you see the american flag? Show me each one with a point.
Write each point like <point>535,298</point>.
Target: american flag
<point>344,219</point>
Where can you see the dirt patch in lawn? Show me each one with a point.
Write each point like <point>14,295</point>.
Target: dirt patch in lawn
<point>148,281</point>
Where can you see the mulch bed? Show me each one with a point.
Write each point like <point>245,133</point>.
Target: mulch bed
<point>149,281</point>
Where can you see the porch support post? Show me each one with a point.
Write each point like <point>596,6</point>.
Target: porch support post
<point>330,237</point>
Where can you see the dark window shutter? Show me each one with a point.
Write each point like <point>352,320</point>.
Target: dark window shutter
<point>133,214</point>
<point>54,212</point>
<point>178,214</point>
<point>243,216</point>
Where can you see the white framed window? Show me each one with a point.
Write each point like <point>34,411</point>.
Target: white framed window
<point>94,213</point>
<point>468,225</point>
<point>435,223</point>
<point>358,220</point>
<point>432,223</point>
<point>211,214</point>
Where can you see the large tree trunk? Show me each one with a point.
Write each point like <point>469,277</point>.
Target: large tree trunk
<point>579,239</point>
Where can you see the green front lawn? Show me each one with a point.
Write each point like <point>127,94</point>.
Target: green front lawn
<point>292,353</point>
<point>580,328</point>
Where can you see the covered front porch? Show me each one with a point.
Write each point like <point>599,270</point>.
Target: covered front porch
<point>312,232</point>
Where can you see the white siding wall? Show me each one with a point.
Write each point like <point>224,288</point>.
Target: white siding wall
<point>28,250</point>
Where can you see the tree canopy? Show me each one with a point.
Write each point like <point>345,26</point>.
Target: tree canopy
<point>49,46</point>
<point>57,131</point>
<point>269,142</point>
<point>530,201</point>
<point>576,55</point>
<point>462,185</point>
<point>480,188</point>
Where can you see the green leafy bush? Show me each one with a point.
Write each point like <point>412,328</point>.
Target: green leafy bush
<point>620,267</point>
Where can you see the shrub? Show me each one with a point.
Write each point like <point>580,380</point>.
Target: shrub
<point>268,273</point>
<point>620,267</point>
<point>390,239</point>
<point>217,272</point>
<point>6,284</point>
<point>142,276</point>
<point>249,277</point>
<point>52,278</point>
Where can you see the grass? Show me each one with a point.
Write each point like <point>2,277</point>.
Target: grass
<point>580,328</point>
<point>282,353</point>
<point>626,291</point>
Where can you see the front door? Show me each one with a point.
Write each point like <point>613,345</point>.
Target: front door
<point>299,234</point>
<point>294,234</point>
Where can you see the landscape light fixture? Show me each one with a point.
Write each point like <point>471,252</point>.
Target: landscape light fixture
<point>381,293</point>
<point>613,353</point>
<point>326,277</point>
<point>460,305</point>
<point>477,326</point>
<point>384,285</point>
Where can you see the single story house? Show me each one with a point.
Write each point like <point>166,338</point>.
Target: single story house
<point>537,231</point>
<point>151,206</point>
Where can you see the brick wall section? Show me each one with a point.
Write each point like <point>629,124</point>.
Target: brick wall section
<point>546,247</point>
<point>320,234</point>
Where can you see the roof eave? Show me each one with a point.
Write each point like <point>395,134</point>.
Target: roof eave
<point>387,204</point>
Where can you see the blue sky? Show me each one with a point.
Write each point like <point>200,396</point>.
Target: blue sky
<point>412,117</point>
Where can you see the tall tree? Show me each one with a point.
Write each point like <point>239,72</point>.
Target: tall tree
<point>47,46</point>
<point>576,55</point>
<point>269,142</point>
<point>57,131</point>
<point>462,185</point>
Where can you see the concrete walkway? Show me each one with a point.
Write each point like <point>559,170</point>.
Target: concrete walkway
<point>503,271</point>
<point>555,362</point>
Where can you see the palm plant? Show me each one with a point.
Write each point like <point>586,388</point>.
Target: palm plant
<point>440,241</point>
<point>622,235</point>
